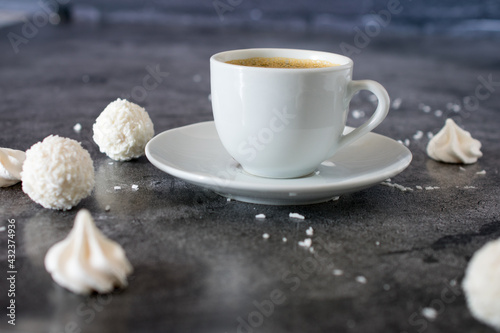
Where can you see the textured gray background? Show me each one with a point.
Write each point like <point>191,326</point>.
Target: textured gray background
<point>200,261</point>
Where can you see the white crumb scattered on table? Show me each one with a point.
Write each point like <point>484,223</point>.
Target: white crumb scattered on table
<point>418,135</point>
<point>425,108</point>
<point>310,231</point>
<point>135,187</point>
<point>265,236</point>
<point>468,187</point>
<point>430,135</point>
<point>482,172</point>
<point>284,239</point>
<point>338,272</point>
<point>377,243</point>
<point>461,168</point>
<point>107,208</point>
<point>2,228</point>
<point>260,216</point>
<point>429,313</point>
<point>77,128</point>
<point>430,188</point>
<point>311,249</point>
<point>328,163</point>
<point>117,188</point>
<point>396,103</point>
<point>438,113</point>
<point>296,216</point>
<point>336,198</point>
<point>386,287</point>
<point>397,186</point>
<point>356,114</point>
<point>418,187</point>
<point>305,243</point>
<point>361,279</point>
<point>407,142</point>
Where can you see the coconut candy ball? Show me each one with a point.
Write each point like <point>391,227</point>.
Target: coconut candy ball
<point>57,173</point>
<point>122,130</point>
<point>482,284</point>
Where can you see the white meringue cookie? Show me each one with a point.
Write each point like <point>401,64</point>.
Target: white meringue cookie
<point>454,145</point>
<point>11,165</point>
<point>87,260</point>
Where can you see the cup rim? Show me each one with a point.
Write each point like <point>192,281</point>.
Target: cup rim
<point>222,57</point>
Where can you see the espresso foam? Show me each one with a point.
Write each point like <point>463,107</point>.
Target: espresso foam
<point>281,62</point>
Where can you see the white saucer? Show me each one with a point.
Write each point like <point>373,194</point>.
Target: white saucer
<point>195,154</point>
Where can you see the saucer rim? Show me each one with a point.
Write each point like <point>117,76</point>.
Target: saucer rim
<point>287,185</point>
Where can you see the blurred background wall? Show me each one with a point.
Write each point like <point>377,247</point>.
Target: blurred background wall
<point>451,17</point>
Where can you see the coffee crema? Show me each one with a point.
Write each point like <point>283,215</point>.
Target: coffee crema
<point>281,62</point>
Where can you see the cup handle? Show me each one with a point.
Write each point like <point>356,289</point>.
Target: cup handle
<point>378,116</point>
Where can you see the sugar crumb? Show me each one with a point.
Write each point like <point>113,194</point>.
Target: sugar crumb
<point>305,243</point>
<point>265,236</point>
<point>361,279</point>
<point>310,231</point>
<point>2,228</point>
<point>77,128</point>
<point>107,208</point>
<point>418,135</point>
<point>482,172</point>
<point>284,240</point>
<point>357,114</point>
<point>338,272</point>
<point>260,216</point>
<point>425,108</point>
<point>396,103</point>
<point>429,313</point>
<point>296,216</point>
<point>135,187</point>
<point>117,188</point>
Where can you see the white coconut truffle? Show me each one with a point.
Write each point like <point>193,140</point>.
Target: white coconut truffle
<point>482,284</point>
<point>57,173</point>
<point>11,164</point>
<point>122,130</point>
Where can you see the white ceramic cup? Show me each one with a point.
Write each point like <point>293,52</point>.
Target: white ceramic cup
<point>283,122</point>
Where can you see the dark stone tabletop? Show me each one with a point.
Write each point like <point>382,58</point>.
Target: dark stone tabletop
<point>200,262</point>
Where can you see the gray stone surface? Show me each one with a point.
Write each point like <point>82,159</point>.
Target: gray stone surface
<point>201,264</point>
